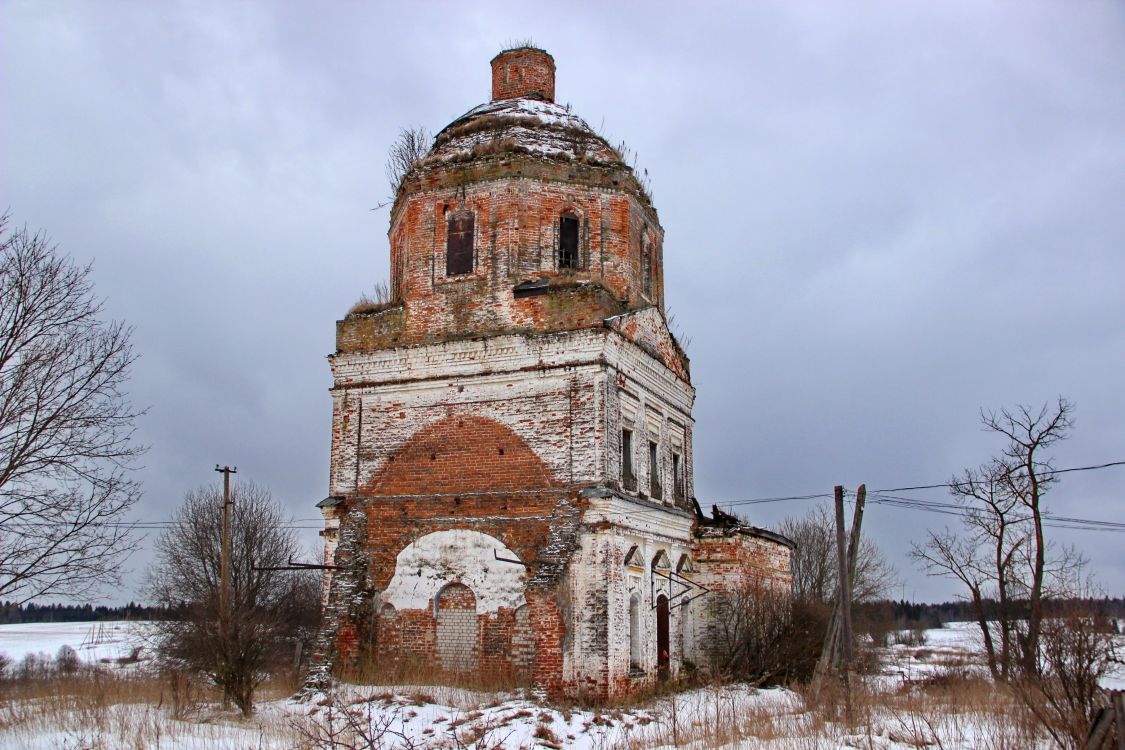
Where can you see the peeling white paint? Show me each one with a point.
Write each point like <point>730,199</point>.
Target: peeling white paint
<point>423,567</point>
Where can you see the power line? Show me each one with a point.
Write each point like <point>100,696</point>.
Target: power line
<point>880,496</point>
<point>1046,473</point>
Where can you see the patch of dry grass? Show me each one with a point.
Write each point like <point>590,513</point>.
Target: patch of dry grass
<point>95,708</point>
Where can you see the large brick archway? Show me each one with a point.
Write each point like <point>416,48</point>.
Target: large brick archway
<point>460,454</point>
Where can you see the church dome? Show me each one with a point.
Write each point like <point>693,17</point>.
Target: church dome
<point>520,218</point>
<point>522,125</point>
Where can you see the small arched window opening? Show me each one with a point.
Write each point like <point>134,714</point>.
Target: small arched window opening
<point>568,241</point>
<point>459,244</point>
<point>646,267</point>
<point>635,633</point>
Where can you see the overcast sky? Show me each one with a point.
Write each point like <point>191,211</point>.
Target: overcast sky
<point>879,217</point>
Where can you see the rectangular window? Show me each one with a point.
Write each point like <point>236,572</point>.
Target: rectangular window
<point>459,245</point>
<point>646,270</point>
<point>628,479</point>
<point>655,489</point>
<point>568,242</point>
<point>677,478</point>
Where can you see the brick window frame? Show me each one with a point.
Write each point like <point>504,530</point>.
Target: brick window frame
<point>568,241</point>
<point>452,262</point>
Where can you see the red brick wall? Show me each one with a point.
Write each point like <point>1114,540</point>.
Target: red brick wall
<point>523,72</point>
<point>462,454</point>
<point>515,240</point>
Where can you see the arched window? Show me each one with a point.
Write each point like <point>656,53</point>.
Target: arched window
<point>568,241</point>
<point>646,266</point>
<point>459,244</point>
<point>635,633</point>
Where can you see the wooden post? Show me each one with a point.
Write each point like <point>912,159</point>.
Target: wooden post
<point>1119,717</point>
<point>843,597</point>
<point>853,542</point>
<point>836,653</point>
<point>224,560</point>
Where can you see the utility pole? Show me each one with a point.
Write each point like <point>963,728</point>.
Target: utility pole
<point>853,561</point>
<point>843,597</point>
<point>224,560</point>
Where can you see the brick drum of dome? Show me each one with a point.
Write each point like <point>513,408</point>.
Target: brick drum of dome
<point>525,72</point>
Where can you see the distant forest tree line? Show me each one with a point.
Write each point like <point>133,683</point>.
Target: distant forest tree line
<point>911,615</point>
<point>903,614</point>
<point>12,613</point>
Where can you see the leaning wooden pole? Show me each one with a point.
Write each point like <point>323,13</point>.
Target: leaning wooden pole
<point>832,653</point>
<point>843,605</point>
<point>853,561</point>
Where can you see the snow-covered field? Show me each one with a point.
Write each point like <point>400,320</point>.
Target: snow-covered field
<point>95,642</point>
<point>891,715</point>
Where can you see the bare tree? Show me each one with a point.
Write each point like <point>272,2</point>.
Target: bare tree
<point>66,426</point>
<point>405,153</point>
<point>814,565</point>
<point>986,559</point>
<point>268,608</point>
<point>1002,555</point>
<point>763,635</point>
<point>1028,477</point>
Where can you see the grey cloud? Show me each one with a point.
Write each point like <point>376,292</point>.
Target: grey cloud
<point>879,218</point>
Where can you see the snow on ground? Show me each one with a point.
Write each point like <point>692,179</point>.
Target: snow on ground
<point>956,646</point>
<point>95,642</point>
<point>723,717</point>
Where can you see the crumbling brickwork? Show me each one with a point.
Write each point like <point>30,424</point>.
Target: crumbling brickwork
<point>523,72</point>
<point>511,481</point>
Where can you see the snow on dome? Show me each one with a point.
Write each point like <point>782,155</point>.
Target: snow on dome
<point>530,126</point>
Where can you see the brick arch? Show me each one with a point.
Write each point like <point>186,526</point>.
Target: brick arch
<point>461,454</point>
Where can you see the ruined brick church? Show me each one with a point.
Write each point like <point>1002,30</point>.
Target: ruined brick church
<point>511,490</point>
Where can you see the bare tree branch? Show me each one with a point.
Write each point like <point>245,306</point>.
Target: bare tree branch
<point>405,153</point>
<point>66,426</point>
<point>269,608</point>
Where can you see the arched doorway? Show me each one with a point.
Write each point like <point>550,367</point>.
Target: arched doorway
<point>663,645</point>
<point>457,629</point>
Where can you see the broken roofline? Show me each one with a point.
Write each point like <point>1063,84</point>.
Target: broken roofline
<point>727,523</point>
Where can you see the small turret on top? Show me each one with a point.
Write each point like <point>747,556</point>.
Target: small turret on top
<point>523,73</point>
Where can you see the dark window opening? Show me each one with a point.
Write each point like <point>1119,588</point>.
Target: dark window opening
<point>459,245</point>
<point>655,489</point>
<point>627,477</point>
<point>646,269</point>
<point>568,242</point>
<point>677,478</point>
